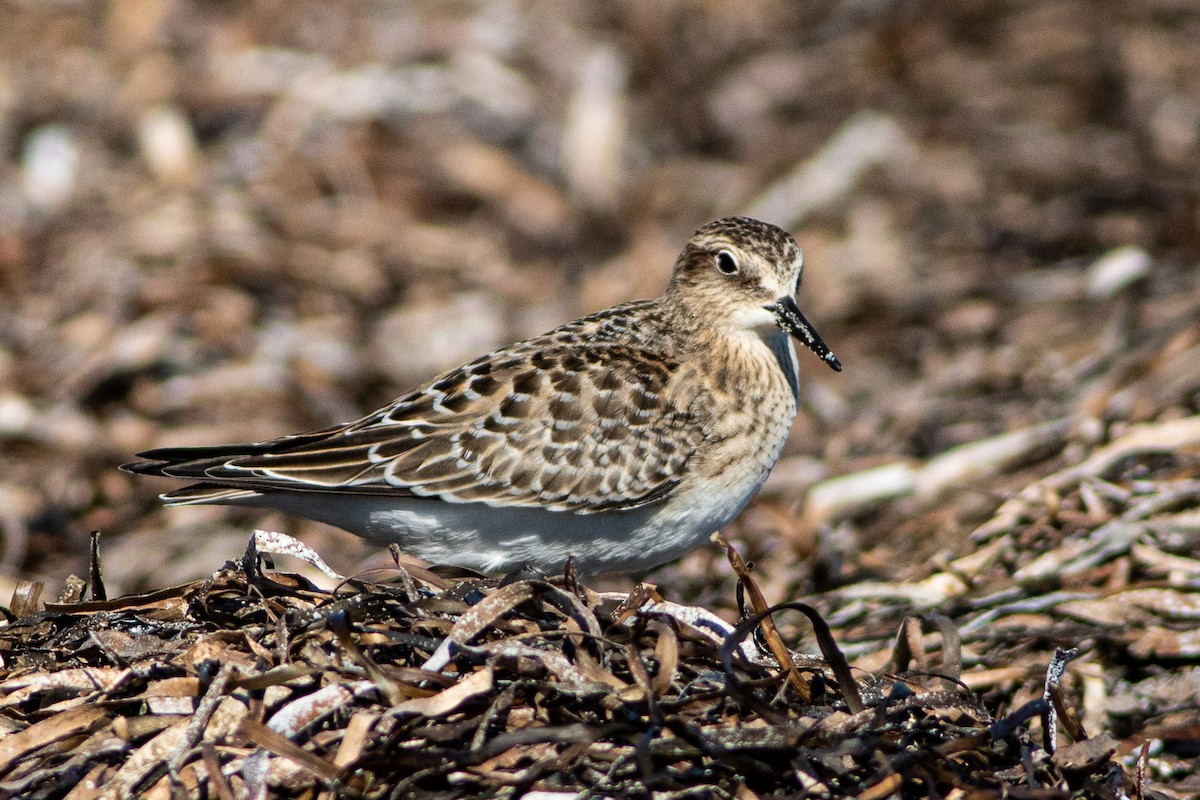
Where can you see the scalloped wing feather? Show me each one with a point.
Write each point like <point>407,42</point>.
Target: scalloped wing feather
<point>552,423</point>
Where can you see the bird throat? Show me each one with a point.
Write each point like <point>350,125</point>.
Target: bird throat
<point>785,355</point>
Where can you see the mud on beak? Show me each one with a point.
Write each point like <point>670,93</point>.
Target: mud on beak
<point>788,315</point>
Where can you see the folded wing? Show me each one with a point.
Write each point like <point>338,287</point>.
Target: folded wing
<point>552,424</point>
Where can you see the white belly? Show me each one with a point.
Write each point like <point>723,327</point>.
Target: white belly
<point>493,539</point>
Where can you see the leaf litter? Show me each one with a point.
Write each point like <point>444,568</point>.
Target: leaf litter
<point>1072,680</point>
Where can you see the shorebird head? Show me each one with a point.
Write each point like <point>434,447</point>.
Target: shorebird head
<point>750,270</point>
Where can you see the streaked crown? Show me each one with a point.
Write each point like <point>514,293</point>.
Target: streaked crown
<point>739,264</point>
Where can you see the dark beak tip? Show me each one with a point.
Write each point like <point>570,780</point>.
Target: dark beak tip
<point>792,320</point>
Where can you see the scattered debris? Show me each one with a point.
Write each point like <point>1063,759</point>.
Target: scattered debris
<point>253,682</point>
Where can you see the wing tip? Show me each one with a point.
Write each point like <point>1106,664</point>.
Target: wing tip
<point>206,494</point>
<point>145,467</point>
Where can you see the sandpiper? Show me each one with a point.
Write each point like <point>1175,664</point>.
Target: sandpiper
<point>621,440</point>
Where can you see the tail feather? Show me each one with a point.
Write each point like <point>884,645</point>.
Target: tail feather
<point>205,494</point>
<point>190,462</point>
<point>218,483</point>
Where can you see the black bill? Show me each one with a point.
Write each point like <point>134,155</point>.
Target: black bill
<point>791,320</point>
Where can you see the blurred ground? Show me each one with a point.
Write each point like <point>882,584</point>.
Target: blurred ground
<point>223,222</point>
<point>231,221</point>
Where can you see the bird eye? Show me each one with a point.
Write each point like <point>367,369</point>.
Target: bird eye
<point>726,263</point>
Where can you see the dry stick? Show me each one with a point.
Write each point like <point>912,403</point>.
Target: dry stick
<point>952,660</point>
<point>770,633</point>
<point>884,788</point>
<point>25,598</point>
<point>406,580</point>
<point>829,649</point>
<point>280,745</point>
<point>213,695</point>
<point>1140,782</point>
<point>215,777</point>
<point>95,574</point>
<point>1054,673</point>
<point>908,646</point>
<point>666,650</point>
<point>339,625</point>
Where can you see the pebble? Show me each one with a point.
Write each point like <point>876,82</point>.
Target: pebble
<point>168,144</point>
<point>50,167</point>
<point>596,129</point>
<point>1117,270</point>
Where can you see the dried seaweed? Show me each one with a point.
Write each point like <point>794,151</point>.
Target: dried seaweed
<point>254,682</point>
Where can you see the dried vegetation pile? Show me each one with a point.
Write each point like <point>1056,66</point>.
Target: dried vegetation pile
<point>233,221</point>
<point>255,684</point>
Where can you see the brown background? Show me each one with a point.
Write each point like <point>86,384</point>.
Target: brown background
<point>224,221</point>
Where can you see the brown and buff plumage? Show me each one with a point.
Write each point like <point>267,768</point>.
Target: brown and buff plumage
<point>621,410</point>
